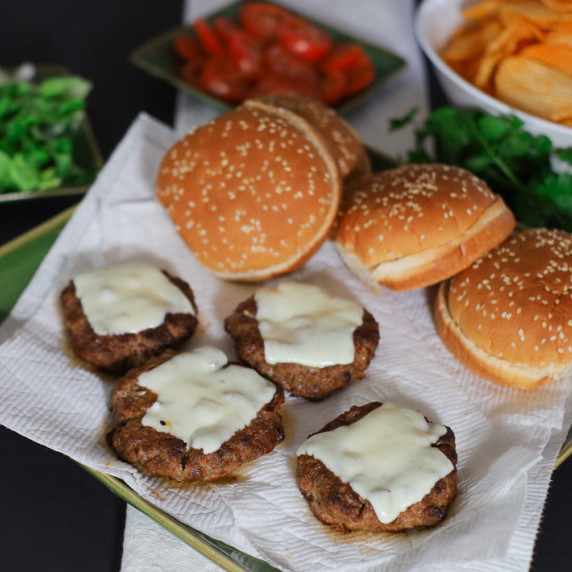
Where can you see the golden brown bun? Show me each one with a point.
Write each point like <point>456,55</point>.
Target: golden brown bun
<point>508,317</point>
<point>254,193</point>
<point>344,142</point>
<point>416,225</point>
<point>361,170</point>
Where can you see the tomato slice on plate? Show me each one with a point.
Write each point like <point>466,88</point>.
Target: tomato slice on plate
<point>247,53</point>
<point>191,73</point>
<point>222,78</point>
<point>281,62</point>
<point>360,75</point>
<point>225,28</point>
<point>271,50</point>
<point>262,19</point>
<point>208,38</point>
<point>188,48</point>
<point>333,86</point>
<point>285,68</point>
<point>343,57</point>
<point>273,83</point>
<point>304,40</point>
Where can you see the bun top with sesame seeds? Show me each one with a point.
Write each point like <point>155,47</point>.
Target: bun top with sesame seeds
<point>344,142</point>
<point>254,192</point>
<point>416,225</point>
<point>509,315</point>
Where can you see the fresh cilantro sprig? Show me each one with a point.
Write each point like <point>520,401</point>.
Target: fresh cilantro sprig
<point>38,121</point>
<point>516,164</point>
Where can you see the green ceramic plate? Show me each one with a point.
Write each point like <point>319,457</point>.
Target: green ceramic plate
<point>158,59</point>
<point>19,260</point>
<point>86,152</point>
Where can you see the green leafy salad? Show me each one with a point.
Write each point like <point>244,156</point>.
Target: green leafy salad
<point>38,122</point>
<point>534,178</point>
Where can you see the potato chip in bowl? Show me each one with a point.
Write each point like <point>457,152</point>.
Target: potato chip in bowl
<point>504,56</point>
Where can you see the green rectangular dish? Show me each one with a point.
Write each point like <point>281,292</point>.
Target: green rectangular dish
<point>158,58</point>
<point>86,152</point>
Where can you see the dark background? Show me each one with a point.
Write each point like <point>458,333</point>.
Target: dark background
<point>54,515</point>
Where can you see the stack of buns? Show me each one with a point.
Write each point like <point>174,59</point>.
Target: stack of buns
<point>258,190</point>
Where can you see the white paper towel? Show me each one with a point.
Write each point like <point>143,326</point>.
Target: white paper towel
<point>148,547</point>
<point>507,440</point>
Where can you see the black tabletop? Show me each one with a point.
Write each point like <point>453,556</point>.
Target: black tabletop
<point>54,515</point>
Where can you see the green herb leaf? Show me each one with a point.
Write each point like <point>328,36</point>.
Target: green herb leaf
<point>565,155</point>
<point>492,128</point>
<point>400,122</point>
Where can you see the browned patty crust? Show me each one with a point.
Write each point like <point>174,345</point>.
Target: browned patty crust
<point>117,353</point>
<point>300,380</point>
<point>336,504</point>
<point>163,454</point>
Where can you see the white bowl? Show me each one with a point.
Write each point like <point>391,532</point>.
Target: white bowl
<point>435,21</point>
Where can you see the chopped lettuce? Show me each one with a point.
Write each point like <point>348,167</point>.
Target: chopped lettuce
<point>38,121</point>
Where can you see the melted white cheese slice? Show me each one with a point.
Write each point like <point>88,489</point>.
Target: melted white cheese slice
<point>202,402</point>
<point>304,324</point>
<point>128,298</point>
<point>386,457</point>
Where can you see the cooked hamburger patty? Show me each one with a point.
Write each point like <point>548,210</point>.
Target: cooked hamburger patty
<point>117,353</point>
<point>300,380</point>
<point>163,454</point>
<point>336,504</point>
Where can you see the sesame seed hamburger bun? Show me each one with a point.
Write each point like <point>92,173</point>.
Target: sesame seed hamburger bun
<point>254,193</point>
<point>508,317</point>
<point>416,225</point>
<point>344,142</point>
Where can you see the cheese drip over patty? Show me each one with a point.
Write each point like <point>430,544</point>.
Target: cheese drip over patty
<point>304,324</point>
<point>201,400</point>
<point>128,298</point>
<point>386,457</point>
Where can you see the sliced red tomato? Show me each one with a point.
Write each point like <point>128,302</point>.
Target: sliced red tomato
<point>222,78</point>
<point>225,28</point>
<point>271,50</point>
<point>343,57</point>
<point>359,76</point>
<point>248,54</point>
<point>304,40</point>
<point>262,19</point>
<point>191,73</point>
<point>333,86</point>
<point>273,83</point>
<point>208,38</point>
<point>188,48</point>
<point>281,62</point>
